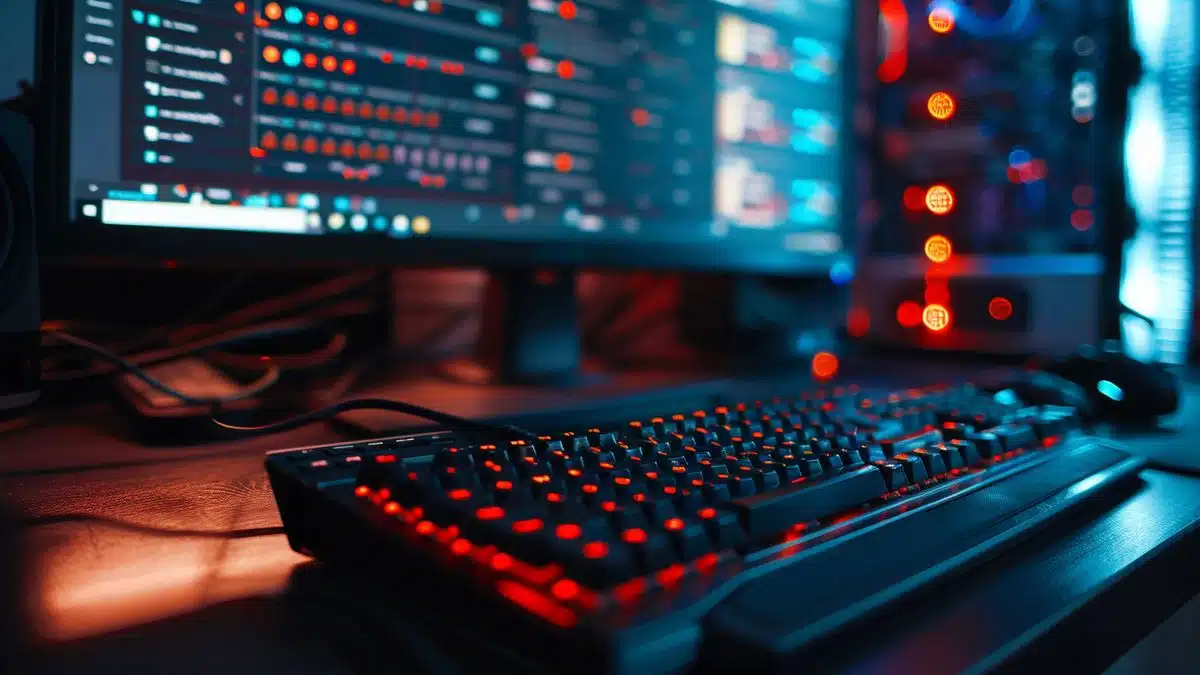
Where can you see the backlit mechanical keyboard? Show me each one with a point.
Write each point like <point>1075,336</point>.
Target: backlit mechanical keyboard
<point>732,538</point>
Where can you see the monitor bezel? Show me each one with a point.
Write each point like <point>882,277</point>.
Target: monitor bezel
<point>64,239</point>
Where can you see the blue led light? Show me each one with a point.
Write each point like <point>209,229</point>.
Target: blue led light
<point>487,54</point>
<point>1019,157</point>
<point>842,272</point>
<point>341,204</point>
<point>291,58</point>
<point>487,92</point>
<point>293,15</point>
<point>489,17</point>
<point>1110,390</point>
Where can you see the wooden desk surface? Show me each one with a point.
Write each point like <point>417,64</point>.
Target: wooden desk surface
<point>121,599</point>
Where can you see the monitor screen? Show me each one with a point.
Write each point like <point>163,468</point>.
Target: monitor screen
<point>541,121</point>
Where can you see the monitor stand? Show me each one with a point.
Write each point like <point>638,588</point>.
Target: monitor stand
<point>528,367</point>
<point>529,332</point>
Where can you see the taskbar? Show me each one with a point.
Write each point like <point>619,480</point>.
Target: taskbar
<point>312,213</point>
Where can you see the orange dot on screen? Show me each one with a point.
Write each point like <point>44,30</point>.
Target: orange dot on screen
<point>312,19</point>
<point>563,162</point>
<point>568,10</point>
<point>273,11</point>
<point>941,105</point>
<point>938,249</point>
<point>908,314</point>
<point>824,365</point>
<point>939,199</point>
<point>528,50</point>
<point>640,116</point>
<point>331,22</point>
<point>566,69</point>
<point>329,63</point>
<point>936,317</point>
<point>310,60</point>
<point>351,27</point>
<point>271,54</point>
<point>1000,309</point>
<point>941,21</point>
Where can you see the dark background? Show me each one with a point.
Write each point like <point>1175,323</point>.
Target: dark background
<point>16,44</point>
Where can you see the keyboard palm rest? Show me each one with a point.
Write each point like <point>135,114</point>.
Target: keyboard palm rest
<point>765,624</point>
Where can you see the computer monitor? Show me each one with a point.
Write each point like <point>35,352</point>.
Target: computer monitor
<point>677,134</point>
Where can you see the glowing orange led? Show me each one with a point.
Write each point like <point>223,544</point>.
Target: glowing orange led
<point>939,199</point>
<point>564,589</point>
<point>331,22</point>
<point>568,531</point>
<point>634,535</point>
<point>312,19</point>
<point>568,10</point>
<point>527,526</point>
<point>563,162</point>
<point>329,63</point>
<point>908,314</point>
<point>349,67</point>
<point>566,69</point>
<point>941,21</point>
<point>271,54</point>
<point>239,7</point>
<point>273,11</point>
<point>351,27</point>
<point>640,116</point>
<point>528,50</point>
<point>1000,309</point>
<point>938,249</point>
<point>941,105</point>
<point>824,365</point>
<point>595,550</point>
<point>391,508</point>
<point>936,317</point>
<point>310,60</point>
<point>362,491</point>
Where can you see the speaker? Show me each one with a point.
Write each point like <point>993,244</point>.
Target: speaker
<point>20,315</point>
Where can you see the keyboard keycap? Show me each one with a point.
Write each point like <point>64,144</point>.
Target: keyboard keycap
<point>769,514</point>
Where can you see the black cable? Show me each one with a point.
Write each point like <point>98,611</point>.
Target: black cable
<point>321,356</point>
<point>195,314</point>
<point>267,330</point>
<point>264,382</point>
<point>451,422</point>
<point>58,519</point>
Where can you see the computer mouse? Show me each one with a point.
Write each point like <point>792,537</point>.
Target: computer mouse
<point>1121,388</point>
<point>1040,388</point>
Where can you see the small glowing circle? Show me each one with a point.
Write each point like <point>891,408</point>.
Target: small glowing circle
<point>939,199</point>
<point>941,21</point>
<point>936,317</point>
<point>824,365</point>
<point>1000,309</point>
<point>938,248</point>
<point>941,105</point>
<point>908,314</point>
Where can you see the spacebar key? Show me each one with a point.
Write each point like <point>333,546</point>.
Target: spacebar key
<point>773,512</point>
